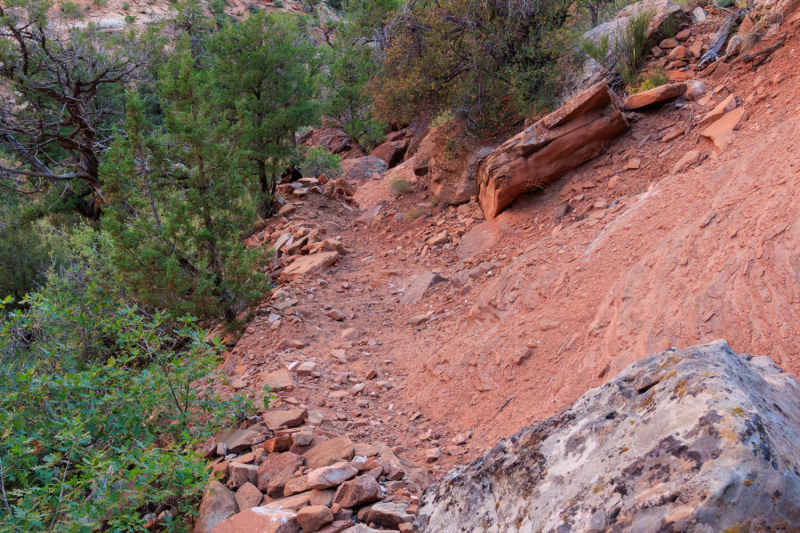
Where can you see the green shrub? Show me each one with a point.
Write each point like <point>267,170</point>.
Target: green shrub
<point>100,411</point>
<point>723,4</point>
<point>130,19</point>
<point>655,78</point>
<point>631,46</point>
<point>401,186</point>
<point>319,160</point>
<point>596,50</point>
<point>442,118</point>
<point>101,3</point>
<point>413,214</point>
<point>337,5</point>
<point>71,9</point>
<point>126,6</point>
<point>278,3</point>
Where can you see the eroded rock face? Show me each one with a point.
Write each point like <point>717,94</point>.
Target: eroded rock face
<point>577,132</point>
<point>702,439</point>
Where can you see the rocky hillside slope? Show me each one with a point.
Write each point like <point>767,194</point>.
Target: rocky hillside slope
<point>434,330</point>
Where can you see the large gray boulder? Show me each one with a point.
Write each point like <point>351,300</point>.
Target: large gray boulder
<point>702,440</point>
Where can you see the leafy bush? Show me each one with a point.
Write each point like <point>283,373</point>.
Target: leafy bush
<point>319,160</point>
<point>71,9</point>
<point>442,118</point>
<point>597,50</point>
<point>278,3</point>
<point>126,6</point>
<point>631,45</point>
<point>100,408</point>
<point>337,5</point>
<point>101,3</point>
<point>130,19</point>
<point>489,62</point>
<point>413,213</point>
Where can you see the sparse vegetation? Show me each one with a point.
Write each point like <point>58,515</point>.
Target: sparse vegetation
<point>597,50</point>
<point>70,9</point>
<point>130,19</point>
<point>401,186</point>
<point>631,46</point>
<point>655,78</point>
<point>319,160</point>
<point>444,117</point>
<point>670,27</point>
<point>126,6</point>
<point>413,214</point>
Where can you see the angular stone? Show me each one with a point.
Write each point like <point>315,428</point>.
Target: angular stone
<point>391,153</point>
<point>438,239</point>
<point>331,476</point>
<point>281,468</point>
<point>414,293</point>
<point>322,497</point>
<point>720,131</point>
<point>286,210</point>
<point>310,264</point>
<point>237,440</point>
<point>295,486</point>
<point>292,503</point>
<point>718,427</point>
<point>217,505</point>
<point>419,478</point>
<point>302,438</point>
<point>279,380</point>
<point>364,450</point>
<point>278,444</point>
<point>362,168</point>
<point>339,448</point>
<point>260,520</point>
<point>301,450</point>
<point>290,419</point>
<point>363,489</point>
<point>313,517</point>
<point>389,515</point>
<point>369,214</point>
<point>248,496</point>
<point>654,96</point>
<point>241,474</point>
<point>305,369</point>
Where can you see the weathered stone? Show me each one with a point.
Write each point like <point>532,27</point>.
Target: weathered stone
<point>689,158</point>
<point>286,210</point>
<point>654,96</point>
<point>726,106</point>
<point>543,153</point>
<point>322,497</point>
<point>337,526</point>
<point>281,468</point>
<point>279,380</point>
<point>418,478</point>
<point>701,439</point>
<point>241,474</point>
<point>236,440</point>
<point>248,496</point>
<point>413,295</point>
<point>363,489</point>
<point>261,520</point>
<point>391,153</point>
<point>310,264</point>
<point>389,515</point>
<point>319,439</point>
<point>313,517</point>
<point>418,320</point>
<point>290,419</point>
<point>339,448</point>
<point>305,369</point>
<point>720,131</point>
<point>302,438</point>
<point>217,505</point>
<point>363,449</point>
<point>369,214</point>
<point>295,486</point>
<point>331,476</point>
<point>278,444</point>
<point>292,503</point>
<point>362,168</point>
<point>438,239</point>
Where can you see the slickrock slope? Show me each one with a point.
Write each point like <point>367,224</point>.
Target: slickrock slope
<point>701,439</point>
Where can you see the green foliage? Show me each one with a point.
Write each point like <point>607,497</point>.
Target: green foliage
<point>318,160</point>
<point>268,70</point>
<point>99,407</point>
<point>337,5</point>
<point>490,62</point>
<point>401,186</point>
<point>70,9</point>
<point>631,46</point>
<point>278,3</point>
<point>442,118</point>
<point>670,27</point>
<point>180,198</point>
<point>723,4</point>
<point>217,8</point>
<point>413,214</point>
<point>126,6</point>
<point>130,19</point>
<point>655,78</point>
<point>596,50</point>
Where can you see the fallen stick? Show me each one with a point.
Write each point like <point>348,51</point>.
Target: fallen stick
<point>765,52</point>
<point>506,402</point>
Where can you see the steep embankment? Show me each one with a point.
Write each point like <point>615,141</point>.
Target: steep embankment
<point>625,256</point>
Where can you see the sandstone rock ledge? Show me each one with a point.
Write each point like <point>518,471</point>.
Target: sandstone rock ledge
<point>702,439</point>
